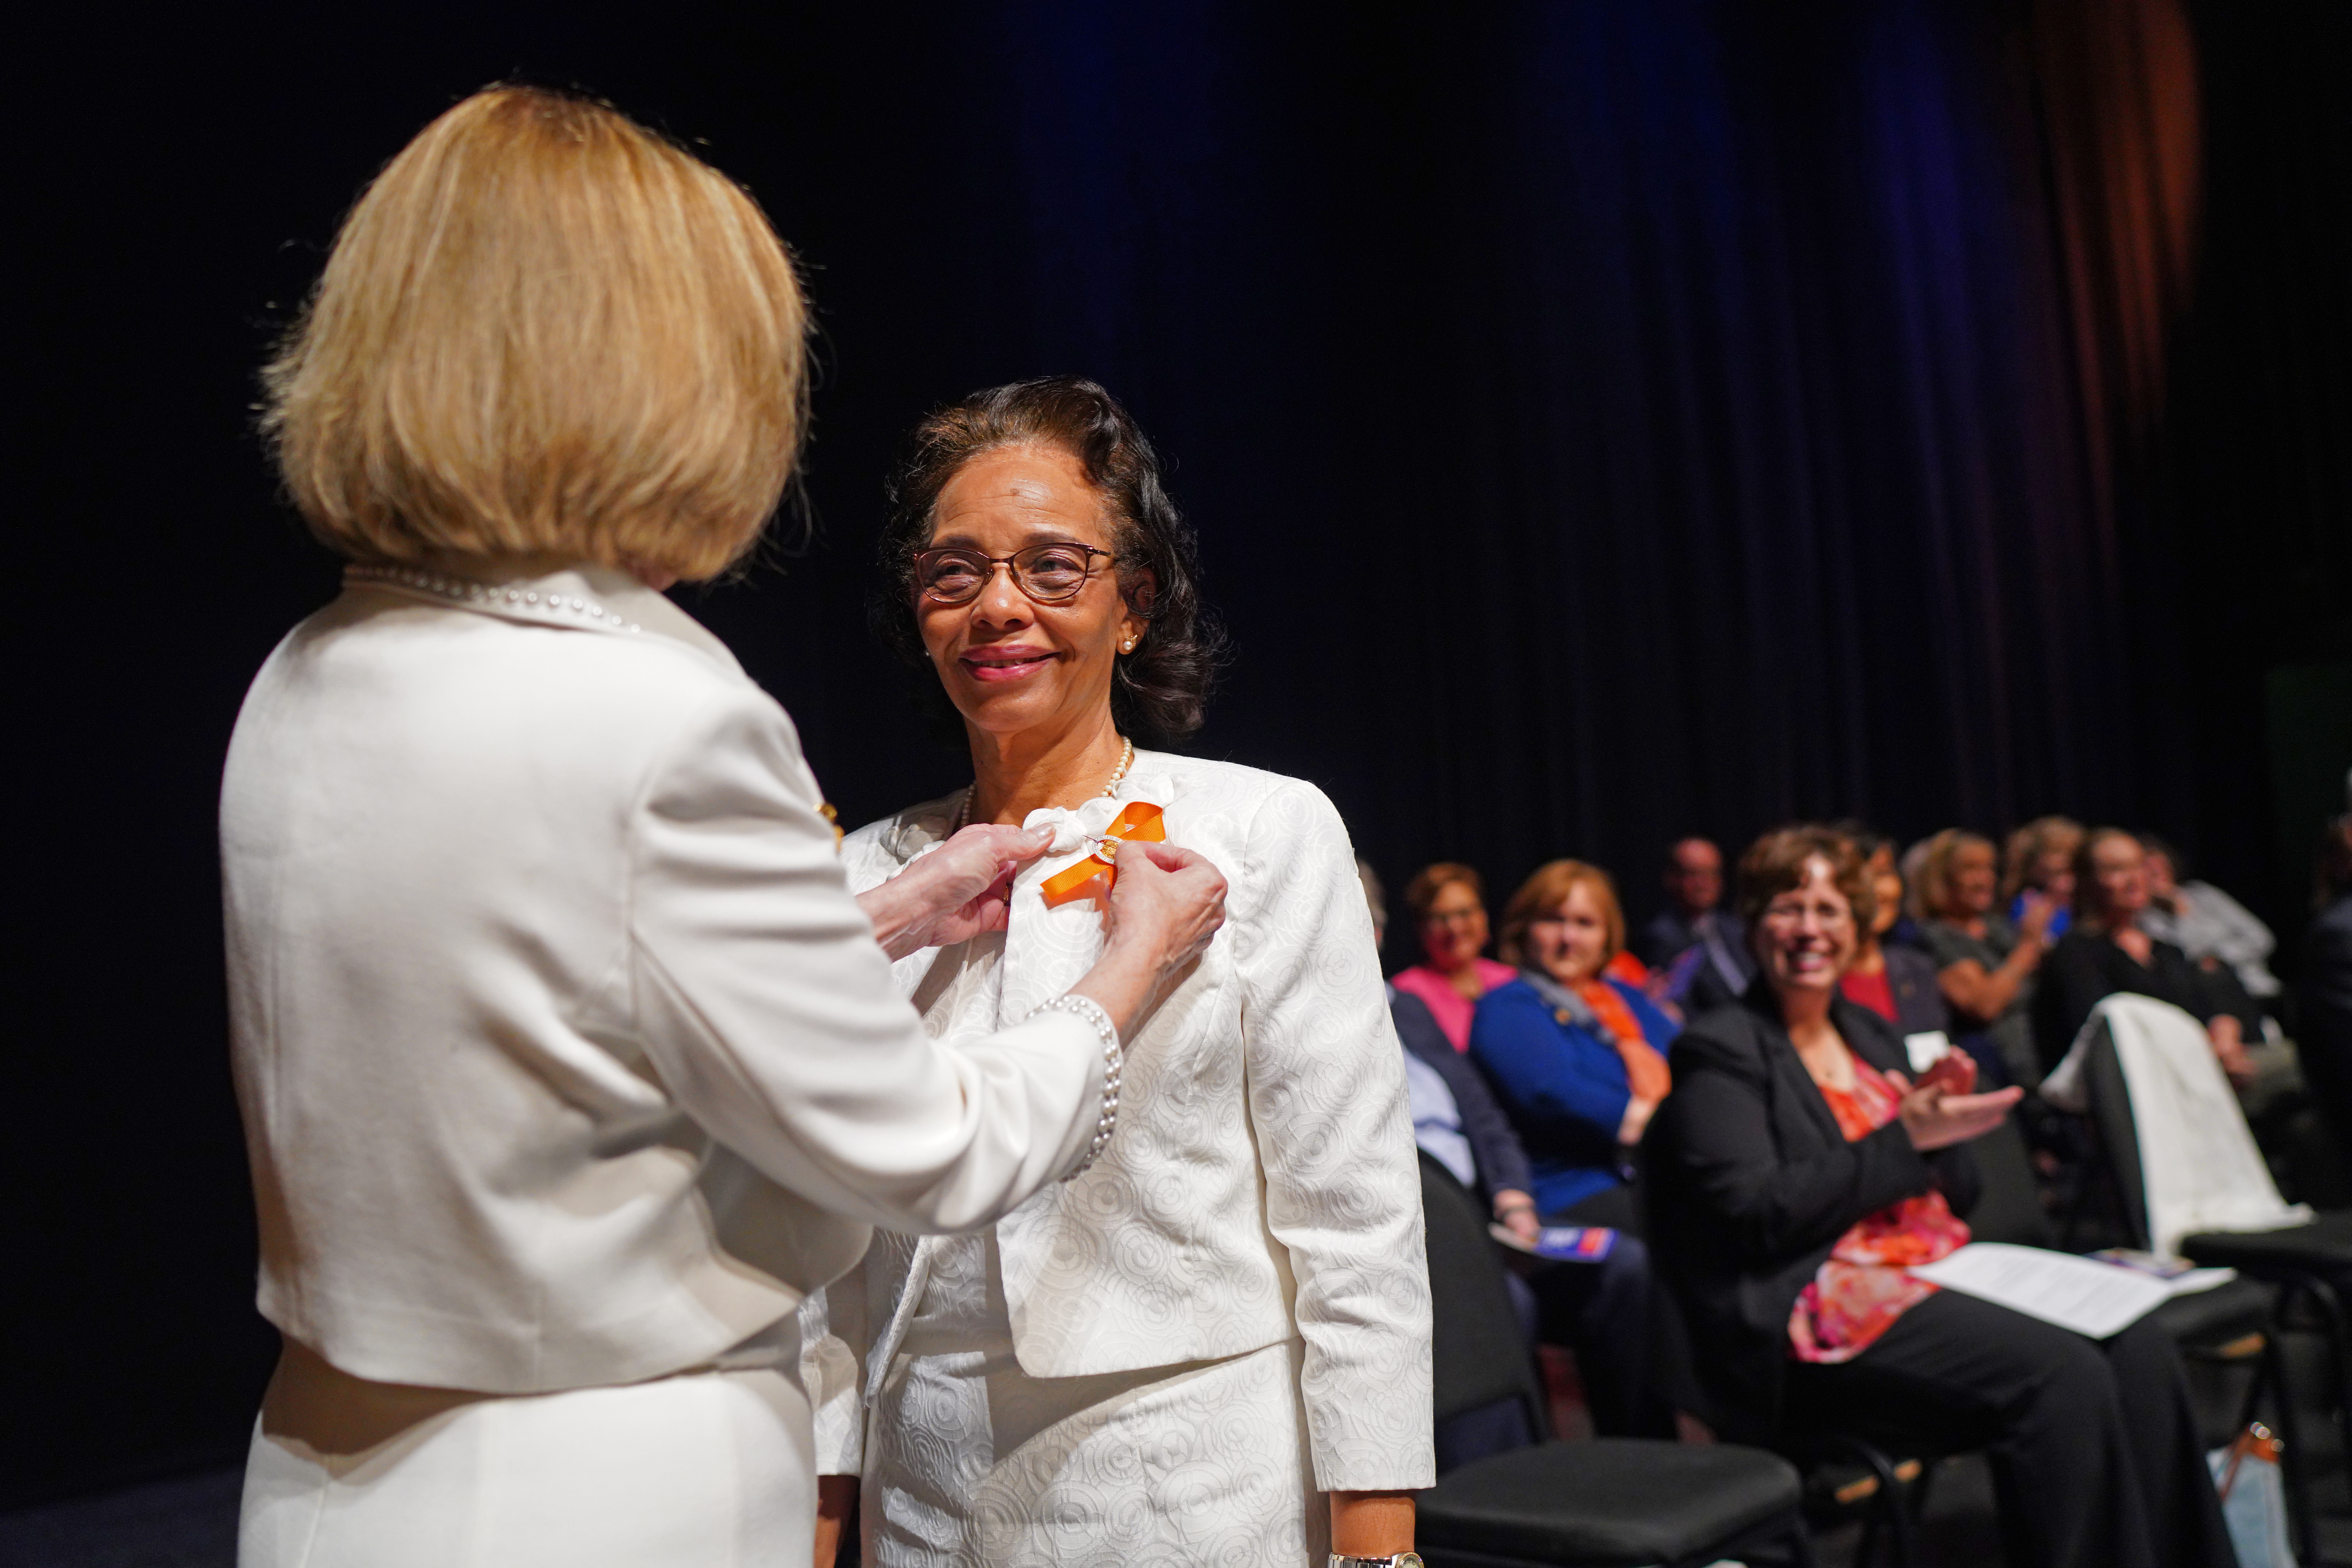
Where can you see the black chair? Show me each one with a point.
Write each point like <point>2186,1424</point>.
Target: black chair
<point>2292,1276</point>
<point>1845,1474</point>
<point>1611,1502</point>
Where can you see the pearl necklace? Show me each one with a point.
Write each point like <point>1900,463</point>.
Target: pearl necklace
<point>462,591</point>
<point>1117,775</point>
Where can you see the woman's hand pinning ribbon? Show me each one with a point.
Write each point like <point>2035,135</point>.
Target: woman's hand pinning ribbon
<point>1140,821</point>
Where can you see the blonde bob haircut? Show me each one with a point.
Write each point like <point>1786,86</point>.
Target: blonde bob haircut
<point>1546,890</point>
<point>544,332</point>
<point>2028,846</point>
<point>1930,896</point>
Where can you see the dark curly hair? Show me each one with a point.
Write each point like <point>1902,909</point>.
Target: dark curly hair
<point>1160,691</point>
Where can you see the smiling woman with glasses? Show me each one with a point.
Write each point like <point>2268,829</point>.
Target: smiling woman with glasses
<point>1213,1344</point>
<point>1449,912</point>
<point>1049,574</point>
<point>1796,1173</point>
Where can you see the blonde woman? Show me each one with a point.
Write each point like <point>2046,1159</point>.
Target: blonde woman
<point>568,1062</point>
<point>2038,872</point>
<point>1213,1346</point>
<point>1986,965</point>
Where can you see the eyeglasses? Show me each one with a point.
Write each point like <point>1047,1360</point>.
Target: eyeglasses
<point>1047,573</point>
<point>1825,914</point>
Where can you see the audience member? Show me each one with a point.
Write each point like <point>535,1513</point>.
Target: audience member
<point>1691,920</point>
<point>1449,910</point>
<point>1575,1058</point>
<point>1795,1172</point>
<point>1455,1118</point>
<point>1897,982</point>
<point>2040,858</point>
<point>2205,922</point>
<point>2323,980</point>
<point>2108,951</point>
<point>1985,964</point>
<point>1602,1312</point>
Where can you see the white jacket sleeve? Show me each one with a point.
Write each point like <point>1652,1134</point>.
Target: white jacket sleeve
<point>767,1008</point>
<point>1327,1097</point>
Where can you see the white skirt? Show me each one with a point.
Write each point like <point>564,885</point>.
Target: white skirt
<point>711,1469</point>
<point>975,1464</point>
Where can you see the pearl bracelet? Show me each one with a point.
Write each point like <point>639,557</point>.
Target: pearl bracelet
<point>1092,1011</point>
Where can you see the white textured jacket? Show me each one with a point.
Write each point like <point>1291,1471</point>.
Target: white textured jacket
<point>1261,1184</point>
<point>566,1057</point>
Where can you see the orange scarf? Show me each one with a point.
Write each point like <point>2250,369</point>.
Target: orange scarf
<point>1645,1069</point>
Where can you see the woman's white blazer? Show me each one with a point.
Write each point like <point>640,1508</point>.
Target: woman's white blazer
<point>1261,1184</point>
<point>565,1056</point>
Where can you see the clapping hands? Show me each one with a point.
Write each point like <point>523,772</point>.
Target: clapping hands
<point>1940,1110</point>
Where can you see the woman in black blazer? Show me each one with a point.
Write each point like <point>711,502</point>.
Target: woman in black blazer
<point>1793,1170</point>
<point>2106,951</point>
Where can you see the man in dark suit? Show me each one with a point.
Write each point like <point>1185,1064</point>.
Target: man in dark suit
<point>1693,921</point>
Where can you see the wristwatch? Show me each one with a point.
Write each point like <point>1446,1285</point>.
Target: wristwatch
<point>1399,1559</point>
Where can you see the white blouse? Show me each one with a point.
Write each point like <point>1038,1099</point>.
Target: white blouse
<point>1263,1185</point>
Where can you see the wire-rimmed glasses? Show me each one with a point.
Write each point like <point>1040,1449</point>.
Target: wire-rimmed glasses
<point>1048,573</point>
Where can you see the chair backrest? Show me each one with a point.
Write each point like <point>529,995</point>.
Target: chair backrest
<point>2183,1159</point>
<point>2009,1208</point>
<point>1480,1355</point>
<point>2111,1119</point>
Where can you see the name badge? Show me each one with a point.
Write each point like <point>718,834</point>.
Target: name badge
<point>1926,1051</point>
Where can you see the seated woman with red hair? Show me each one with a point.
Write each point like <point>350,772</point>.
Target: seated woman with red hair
<point>1576,1056</point>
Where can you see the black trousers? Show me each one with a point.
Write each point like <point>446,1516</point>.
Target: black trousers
<point>2095,1452</point>
<point>1632,1350</point>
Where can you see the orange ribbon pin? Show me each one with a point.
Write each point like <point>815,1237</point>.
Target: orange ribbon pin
<point>1140,821</point>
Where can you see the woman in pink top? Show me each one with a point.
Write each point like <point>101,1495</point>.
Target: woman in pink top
<point>1449,909</point>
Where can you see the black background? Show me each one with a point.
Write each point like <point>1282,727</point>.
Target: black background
<point>1604,421</point>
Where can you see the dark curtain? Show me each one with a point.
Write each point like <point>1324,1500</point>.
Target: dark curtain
<point>1633,420</point>
<point>2248,490</point>
<point>1606,419</point>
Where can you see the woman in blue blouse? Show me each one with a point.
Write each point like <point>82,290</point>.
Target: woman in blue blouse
<point>1577,1059</point>
<point>1574,1060</point>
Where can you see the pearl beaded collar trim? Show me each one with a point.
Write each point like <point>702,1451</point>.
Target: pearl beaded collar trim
<point>461,591</point>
